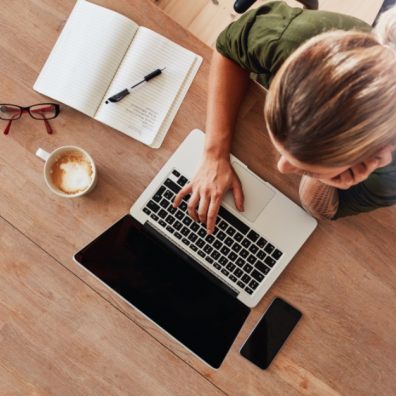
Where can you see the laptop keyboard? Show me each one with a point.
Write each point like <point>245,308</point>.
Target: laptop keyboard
<point>234,249</point>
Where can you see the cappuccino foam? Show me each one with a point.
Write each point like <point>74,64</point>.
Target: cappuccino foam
<point>71,173</point>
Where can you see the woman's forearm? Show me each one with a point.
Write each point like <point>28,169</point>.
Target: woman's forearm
<point>227,86</point>
<point>318,199</point>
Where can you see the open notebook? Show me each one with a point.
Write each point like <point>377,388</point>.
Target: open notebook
<point>100,53</point>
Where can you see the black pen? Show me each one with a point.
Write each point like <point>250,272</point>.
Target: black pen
<point>118,96</point>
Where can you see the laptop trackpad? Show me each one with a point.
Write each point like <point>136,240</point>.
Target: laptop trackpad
<point>257,194</point>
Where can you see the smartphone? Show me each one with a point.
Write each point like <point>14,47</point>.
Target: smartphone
<point>270,333</point>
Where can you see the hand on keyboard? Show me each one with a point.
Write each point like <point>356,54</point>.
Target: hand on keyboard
<point>212,180</point>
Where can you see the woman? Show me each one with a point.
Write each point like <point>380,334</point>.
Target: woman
<point>330,110</point>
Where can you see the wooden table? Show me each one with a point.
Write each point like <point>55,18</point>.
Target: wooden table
<point>63,333</point>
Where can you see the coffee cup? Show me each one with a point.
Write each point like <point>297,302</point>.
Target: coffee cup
<point>69,171</point>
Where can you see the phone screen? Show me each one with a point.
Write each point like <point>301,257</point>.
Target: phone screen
<point>270,333</point>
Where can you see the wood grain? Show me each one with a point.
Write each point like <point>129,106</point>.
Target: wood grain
<point>58,337</point>
<point>343,279</point>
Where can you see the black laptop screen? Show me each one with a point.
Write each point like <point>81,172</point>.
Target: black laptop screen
<point>164,286</point>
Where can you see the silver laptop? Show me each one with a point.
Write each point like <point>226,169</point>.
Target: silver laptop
<point>247,251</point>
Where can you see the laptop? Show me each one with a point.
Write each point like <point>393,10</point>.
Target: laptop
<point>199,288</point>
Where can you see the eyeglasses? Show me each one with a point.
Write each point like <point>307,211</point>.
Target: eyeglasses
<point>40,111</point>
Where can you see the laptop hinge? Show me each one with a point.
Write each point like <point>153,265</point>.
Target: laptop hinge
<point>186,257</point>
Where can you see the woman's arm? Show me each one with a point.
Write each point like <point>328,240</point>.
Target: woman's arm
<point>318,199</point>
<point>215,176</point>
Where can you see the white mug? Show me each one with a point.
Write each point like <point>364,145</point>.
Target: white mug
<point>50,158</point>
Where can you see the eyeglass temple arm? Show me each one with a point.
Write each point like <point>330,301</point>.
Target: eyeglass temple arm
<point>8,127</point>
<point>48,126</point>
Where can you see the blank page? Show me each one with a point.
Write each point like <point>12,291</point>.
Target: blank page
<point>141,113</point>
<point>86,57</point>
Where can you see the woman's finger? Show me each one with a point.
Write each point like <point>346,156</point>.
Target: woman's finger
<point>181,194</point>
<point>192,205</point>
<point>213,210</point>
<point>203,207</point>
<point>237,193</point>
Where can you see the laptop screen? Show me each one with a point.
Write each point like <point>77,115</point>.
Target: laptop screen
<point>185,301</point>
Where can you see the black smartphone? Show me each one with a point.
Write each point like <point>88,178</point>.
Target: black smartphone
<point>270,333</point>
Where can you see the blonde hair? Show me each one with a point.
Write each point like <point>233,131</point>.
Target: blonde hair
<point>333,101</point>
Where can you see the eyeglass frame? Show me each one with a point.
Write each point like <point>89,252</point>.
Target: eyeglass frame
<point>26,109</point>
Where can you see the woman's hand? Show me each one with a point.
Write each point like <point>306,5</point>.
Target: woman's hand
<point>360,172</point>
<point>213,179</point>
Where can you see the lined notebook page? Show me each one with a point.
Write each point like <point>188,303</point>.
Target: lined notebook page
<point>86,57</point>
<point>141,113</point>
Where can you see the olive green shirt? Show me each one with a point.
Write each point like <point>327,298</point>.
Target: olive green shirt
<point>262,39</point>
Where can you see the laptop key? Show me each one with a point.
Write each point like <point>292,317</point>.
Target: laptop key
<point>253,284</point>
<point>162,223</point>
<point>183,206</point>
<point>215,255</point>
<point>236,247</point>
<point>269,248</point>
<point>157,197</point>
<point>147,211</point>
<point>182,181</point>
<point>221,235</point>
<point>162,213</point>
<point>180,215</point>
<point>208,249</point>
<point>241,284</point>
<point>217,245</point>
<point>270,261</point>
<point>223,260</point>
<point>209,259</point>
<point>154,217</point>
<point>170,229</point>
<point>194,226</point>
<point>233,278</point>
<point>232,256</point>
<point>170,219</point>
<point>238,237</point>
<point>201,253</point>
<point>178,236</point>
<point>231,267</point>
<point>200,242</point>
<point>209,238</point>
<point>248,268</point>
<point>225,272</point>
<point>253,236</point>
<point>169,195</point>
<point>153,206</point>
<point>277,254</point>
<point>245,278</point>
<point>187,221</point>
<point>261,255</point>
<point>164,203</point>
<point>192,237</point>
<point>223,225</point>
<point>176,173</point>
<point>193,248</point>
<point>257,275</point>
<point>251,259</point>
<point>261,242</point>
<point>229,241</point>
<point>253,249</point>
<point>202,232</point>
<point>186,241</point>
<point>240,262</point>
<point>172,210</point>
<point>185,231</point>
<point>178,225</point>
<point>246,243</point>
<point>231,231</point>
<point>172,186</point>
<point>248,290</point>
<point>217,266</point>
<point>225,250</point>
<point>244,253</point>
<point>238,272</point>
